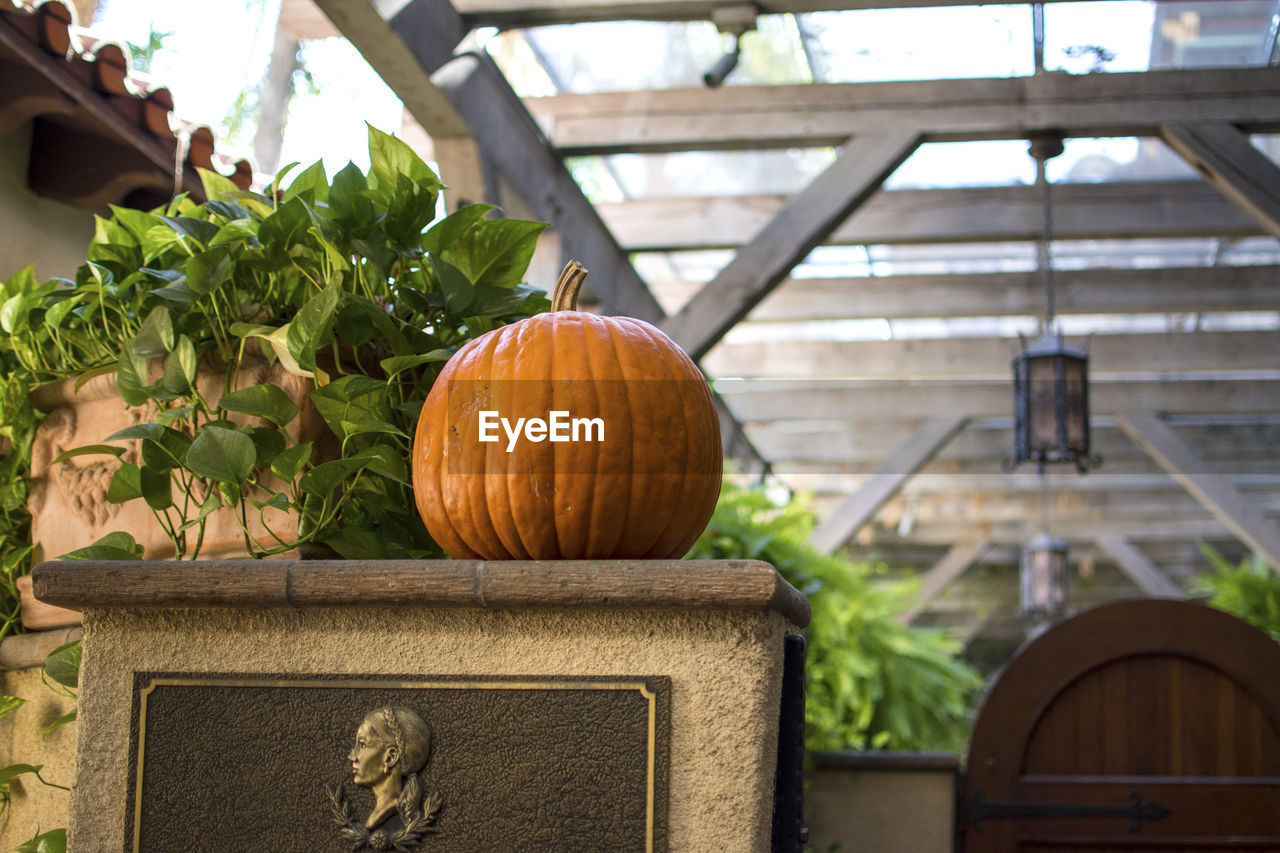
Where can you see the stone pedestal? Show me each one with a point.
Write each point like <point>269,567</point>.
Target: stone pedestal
<point>595,705</point>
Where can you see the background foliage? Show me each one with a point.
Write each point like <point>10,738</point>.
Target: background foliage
<point>872,683</point>
<point>1249,591</point>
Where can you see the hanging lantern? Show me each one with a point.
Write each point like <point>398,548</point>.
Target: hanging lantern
<point>1050,379</point>
<point>1051,404</point>
<point>1044,577</point>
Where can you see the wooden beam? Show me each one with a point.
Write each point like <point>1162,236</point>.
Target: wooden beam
<point>522,13</point>
<point>1024,483</point>
<point>804,222</point>
<point>871,443</point>
<point>1016,533</point>
<point>1144,573</point>
<point>824,114</point>
<point>1242,173</point>
<point>778,400</point>
<point>1156,209</point>
<point>1197,477</point>
<point>1084,291</point>
<point>930,437</point>
<point>957,561</point>
<point>989,358</point>
<point>404,41</point>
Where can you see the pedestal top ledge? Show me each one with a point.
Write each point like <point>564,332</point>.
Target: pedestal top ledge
<point>612,584</point>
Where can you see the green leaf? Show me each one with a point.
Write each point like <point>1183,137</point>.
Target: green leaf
<point>312,183</point>
<point>348,200</point>
<point>53,841</point>
<point>354,325</point>
<point>309,330</point>
<point>236,229</point>
<point>400,363</point>
<point>138,222</point>
<point>209,270</point>
<point>69,717</point>
<point>9,772</point>
<point>58,312</point>
<point>285,227</point>
<point>157,489</point>
<point>496,252</point>
<point>221,454</point>
<point>445,233</point>
<point>158,239</point>
<point>387,461</point>
<point>459,292</point>
<point>262,401</point>
<point>269,443</point>
<point>391,158</point>
<point>9,704</point>
<point>63,664</point>
<point>114,546</point>
<point>88,450</point>
<point>165,449</point>
<point>289,463</point>
<point>353,428</point>
<point>130,377</point>
<point>13,314</point>
<point>187,362</point>
<point>325,477</point>
<point>126,484</point>
<point>155,338</point>
<point>215,185</point>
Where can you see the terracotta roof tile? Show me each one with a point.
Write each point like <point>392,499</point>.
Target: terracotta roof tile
<point>100,137</point>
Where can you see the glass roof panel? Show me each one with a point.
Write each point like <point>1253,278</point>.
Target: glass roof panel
<point>718,173</point>
<point>921,44</point>
<point>1118,159</point>
<point>614,56</point>
<point>1005,162</point>
<point>1124,35</point>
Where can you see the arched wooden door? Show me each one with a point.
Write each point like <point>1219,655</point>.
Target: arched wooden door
<point>1170,701</point>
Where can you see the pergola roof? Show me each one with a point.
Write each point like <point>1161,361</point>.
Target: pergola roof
<point>858,327</point>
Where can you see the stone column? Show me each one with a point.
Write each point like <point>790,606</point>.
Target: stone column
<point>593,705</point>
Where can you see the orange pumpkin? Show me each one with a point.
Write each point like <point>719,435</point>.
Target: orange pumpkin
<point>638,480</point>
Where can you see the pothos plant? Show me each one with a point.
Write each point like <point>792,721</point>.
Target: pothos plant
<point>352,283</point>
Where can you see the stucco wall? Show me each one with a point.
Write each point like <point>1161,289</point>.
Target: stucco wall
<point>34,230</point>
<point>725,669</point>
<point>34,806</point>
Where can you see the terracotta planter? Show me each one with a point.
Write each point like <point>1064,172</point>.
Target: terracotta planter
<point>68,501</point>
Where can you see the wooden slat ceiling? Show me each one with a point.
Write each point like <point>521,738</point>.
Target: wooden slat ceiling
<point>827,411</point>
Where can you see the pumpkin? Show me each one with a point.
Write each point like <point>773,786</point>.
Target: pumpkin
<point>639,479</point>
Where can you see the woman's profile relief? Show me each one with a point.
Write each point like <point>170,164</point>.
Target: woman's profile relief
<point>392,746</point>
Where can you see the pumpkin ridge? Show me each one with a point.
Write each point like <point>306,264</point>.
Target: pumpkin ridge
<point>677,479</point>
<point>477,500</point>
<point>554,321</point>
<point>531,523</point>
<point>497,484</point>
<point>457,505</point>
<point>621,482</point>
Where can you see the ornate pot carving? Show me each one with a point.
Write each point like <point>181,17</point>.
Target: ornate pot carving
<point>68,500</point>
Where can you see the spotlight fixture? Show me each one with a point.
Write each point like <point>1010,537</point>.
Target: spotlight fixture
<point>724,65</point>
<point>734,20</point>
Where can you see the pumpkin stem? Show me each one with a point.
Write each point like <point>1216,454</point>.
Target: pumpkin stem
<point>565,297</point>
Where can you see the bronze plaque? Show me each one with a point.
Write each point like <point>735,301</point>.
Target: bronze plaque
<point>310,763</point>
